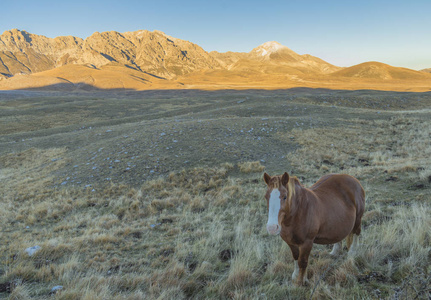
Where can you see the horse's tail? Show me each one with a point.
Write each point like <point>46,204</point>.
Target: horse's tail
<point>349,240</point>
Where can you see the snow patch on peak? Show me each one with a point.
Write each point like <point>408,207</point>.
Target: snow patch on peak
<point>269,47</point>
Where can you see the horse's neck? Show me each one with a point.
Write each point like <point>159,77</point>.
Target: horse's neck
<point>301,199</point>
<point>298,198</point>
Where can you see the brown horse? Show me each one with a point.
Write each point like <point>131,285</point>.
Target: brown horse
<point>325,213</point>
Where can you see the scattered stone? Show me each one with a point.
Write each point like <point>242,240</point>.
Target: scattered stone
<point>226,254</point>
<point>32,250</point>
<point>417,186</point>
<point>136,234</point>
<point>373,276</point>
<point>56,289</point>
<point>392,178</point>
<point>166,220</point>
<point>6,287</point>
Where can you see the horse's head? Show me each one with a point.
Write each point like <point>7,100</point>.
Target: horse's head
<point>277,195</point>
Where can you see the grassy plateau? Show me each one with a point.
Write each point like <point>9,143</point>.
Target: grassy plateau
<point>159,194</point>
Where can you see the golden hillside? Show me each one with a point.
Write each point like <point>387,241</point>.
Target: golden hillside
<point>70,77</point>
<point>377,70</point>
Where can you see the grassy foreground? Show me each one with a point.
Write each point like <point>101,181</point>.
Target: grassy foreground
<point>199,232</point>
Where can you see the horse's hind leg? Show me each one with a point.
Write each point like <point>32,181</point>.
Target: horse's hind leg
<point>352,239</point>
<point>337,248</point>
<point>354,244</point>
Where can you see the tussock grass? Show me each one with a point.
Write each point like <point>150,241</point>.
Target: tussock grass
<point>251,167</point>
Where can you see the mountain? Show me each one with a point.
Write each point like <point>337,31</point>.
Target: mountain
<point>428,70</point>
<point>152,52</point>
<point>272,57</point>
<point>377,70</point>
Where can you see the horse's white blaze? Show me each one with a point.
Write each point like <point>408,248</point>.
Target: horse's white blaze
<point>274,207</point>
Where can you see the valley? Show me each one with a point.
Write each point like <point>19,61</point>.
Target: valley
<point>159,193</point>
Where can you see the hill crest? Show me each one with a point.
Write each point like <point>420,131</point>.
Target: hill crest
<point>378,70</point>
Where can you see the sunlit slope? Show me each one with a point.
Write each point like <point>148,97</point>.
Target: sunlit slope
<point>111,76</point>
<point>377,70</point>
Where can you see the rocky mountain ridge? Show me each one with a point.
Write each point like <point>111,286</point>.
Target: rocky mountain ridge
<point>151,52</point>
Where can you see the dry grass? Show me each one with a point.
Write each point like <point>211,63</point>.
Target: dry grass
<point>251,167</point>
<point>199,233</point>
<point>398,146</point>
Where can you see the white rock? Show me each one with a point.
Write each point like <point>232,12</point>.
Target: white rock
<point>32,250</point>
<point>56,288</point>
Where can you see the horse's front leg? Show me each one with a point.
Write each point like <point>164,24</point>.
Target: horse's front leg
<point>295,254</point>
<point>304,252</point>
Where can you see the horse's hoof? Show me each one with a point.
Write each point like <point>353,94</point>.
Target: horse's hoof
<point>304,282</point>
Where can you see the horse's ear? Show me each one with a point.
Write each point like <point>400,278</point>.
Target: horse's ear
<point>285,179</point>
<point>266,178</point>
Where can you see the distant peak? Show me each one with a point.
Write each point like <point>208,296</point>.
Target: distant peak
<point>269,47</point>
<point>272,44</point>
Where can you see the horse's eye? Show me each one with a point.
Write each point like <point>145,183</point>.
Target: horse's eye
<point>284,198</point>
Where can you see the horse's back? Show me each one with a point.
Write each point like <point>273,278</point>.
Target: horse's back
<point>341,187</point>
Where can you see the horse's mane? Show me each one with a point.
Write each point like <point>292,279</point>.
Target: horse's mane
<point>291,187</point>
<point>293,201</point>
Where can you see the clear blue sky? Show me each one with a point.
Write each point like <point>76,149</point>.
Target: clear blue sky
<point>342,32</point>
